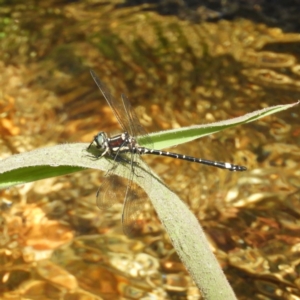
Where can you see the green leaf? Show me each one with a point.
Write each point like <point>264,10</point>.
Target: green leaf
<point>28,174</point>
<point>45,163</point>
<point>174,137</point>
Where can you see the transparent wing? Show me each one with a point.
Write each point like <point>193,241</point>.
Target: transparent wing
<point>134,216</point>
<point>135,203</point>
<point>112,190</point>
<point>123,111</point>
<point>116,105</point>
<point>136,128</point>
<point>136,200</point>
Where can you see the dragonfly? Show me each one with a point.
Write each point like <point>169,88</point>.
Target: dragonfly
<point>124,148</point>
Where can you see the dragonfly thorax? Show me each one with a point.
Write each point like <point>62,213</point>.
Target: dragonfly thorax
<point>121,143</point>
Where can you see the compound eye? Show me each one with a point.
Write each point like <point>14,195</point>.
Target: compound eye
<point>100,140</point>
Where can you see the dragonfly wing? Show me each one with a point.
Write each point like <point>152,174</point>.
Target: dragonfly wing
<point>115,105</point>
<point>136,128</point>
<point>112,190</point>
<point>124,112</point>
<point>134,216</point>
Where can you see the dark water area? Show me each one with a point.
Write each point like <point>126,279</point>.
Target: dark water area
<point>284,15</point>
<point>180,64</point>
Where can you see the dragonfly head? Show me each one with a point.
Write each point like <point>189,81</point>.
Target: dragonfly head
<point>101,140</point>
